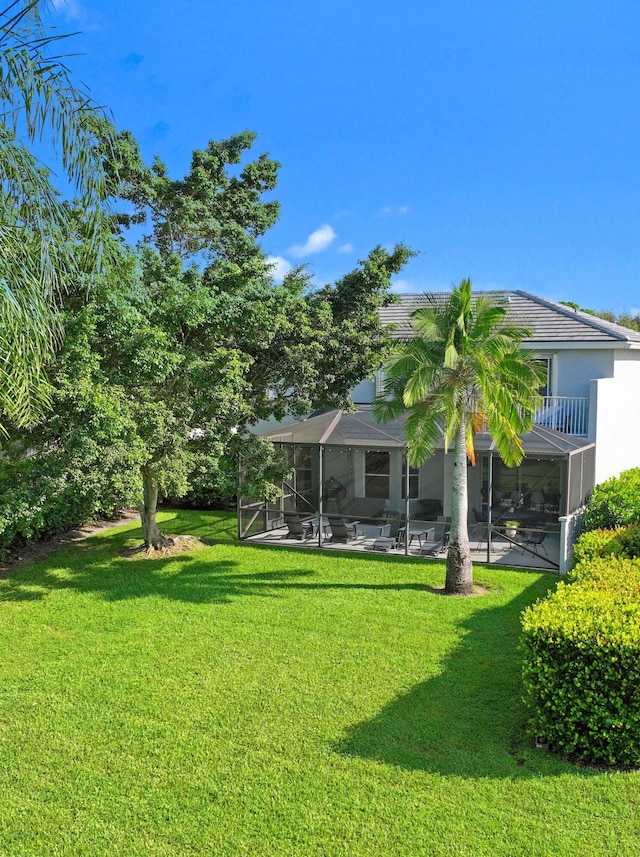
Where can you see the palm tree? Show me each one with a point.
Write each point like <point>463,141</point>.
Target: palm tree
<point>464,369</point>
<point>38,100</point>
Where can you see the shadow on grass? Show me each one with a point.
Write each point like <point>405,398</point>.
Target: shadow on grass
<point>468,721</point>
<point>99,565</point>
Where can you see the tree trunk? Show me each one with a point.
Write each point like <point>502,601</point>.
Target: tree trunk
<point>153,538</point>
<point>459,579</point>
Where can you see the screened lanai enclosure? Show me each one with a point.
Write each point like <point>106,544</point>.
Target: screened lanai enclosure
<point>350,487</point>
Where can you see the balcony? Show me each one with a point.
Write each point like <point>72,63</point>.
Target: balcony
<point>568,414</point>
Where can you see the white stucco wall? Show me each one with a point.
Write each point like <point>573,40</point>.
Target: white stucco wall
<point>573,370</point>
<point>615,417</point>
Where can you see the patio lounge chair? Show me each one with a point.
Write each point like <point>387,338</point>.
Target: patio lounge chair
<point>297,529</point>
<point>341,530</point>
<point>435,546</point>
<point>393,539</point>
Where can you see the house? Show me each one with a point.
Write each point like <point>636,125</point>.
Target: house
<point>585,431</point>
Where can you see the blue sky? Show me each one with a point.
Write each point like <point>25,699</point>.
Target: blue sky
<point>499,139</point>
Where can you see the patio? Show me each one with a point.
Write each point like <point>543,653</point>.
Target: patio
<point>345,464</point>
<point>504,550</point>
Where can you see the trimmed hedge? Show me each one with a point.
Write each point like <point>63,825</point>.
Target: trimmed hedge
<point>614,503</point>
<point>581,667</point>
<point>623,541</point>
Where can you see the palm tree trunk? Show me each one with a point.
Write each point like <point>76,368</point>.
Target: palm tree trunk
<point>153,538</point>
<point>459,579</point>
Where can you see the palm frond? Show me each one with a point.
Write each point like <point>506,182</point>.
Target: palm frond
<point>38,250</point>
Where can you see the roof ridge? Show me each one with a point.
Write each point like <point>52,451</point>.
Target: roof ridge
<point>576,315</point>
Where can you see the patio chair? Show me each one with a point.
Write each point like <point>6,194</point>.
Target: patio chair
<point>341,530</point>
<point>479,528</point>
<point>393,539</point>
<point>434,547</point>
<point>536,501</point>
<point>534,539</point>
<point>297,529</point>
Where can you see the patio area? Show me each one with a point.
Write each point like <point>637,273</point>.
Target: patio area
<point>345,465</point>
<point>516,551</point>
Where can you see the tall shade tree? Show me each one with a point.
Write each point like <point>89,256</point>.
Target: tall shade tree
<point>198,336</point>
<point>40,107</point>
<point>463,370</point>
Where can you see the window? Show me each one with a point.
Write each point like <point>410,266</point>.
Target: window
<point>377,469</point>
<point>414,481</point>
<point>545,387</point>
<point>299,459</point>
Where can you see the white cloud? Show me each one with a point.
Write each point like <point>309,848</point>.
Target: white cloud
<point>395,210</point>
<point>315,243</point>
<point>404,287</point>
<point>279,267</point>
<point>346,248</point>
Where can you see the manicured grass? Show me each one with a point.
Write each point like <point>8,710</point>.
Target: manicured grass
<point>252,701</point>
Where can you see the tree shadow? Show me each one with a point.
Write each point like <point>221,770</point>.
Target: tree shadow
<point>468,720</point>
<point>103,565</point>
<point>180,578</point>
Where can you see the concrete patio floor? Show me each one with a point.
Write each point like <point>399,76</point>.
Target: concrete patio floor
<point>502,553</point>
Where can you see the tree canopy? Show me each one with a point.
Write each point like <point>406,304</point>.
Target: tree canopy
<point>186,341</point>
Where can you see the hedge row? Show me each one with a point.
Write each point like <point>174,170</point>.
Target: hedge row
<point>39,500</point>
<point>582,664</point>
<point>615,502</point>
<point>623,541</point>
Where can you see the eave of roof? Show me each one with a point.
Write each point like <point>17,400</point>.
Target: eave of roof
<point>359,429</point>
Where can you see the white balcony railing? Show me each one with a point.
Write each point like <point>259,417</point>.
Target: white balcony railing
<point>568,414</point>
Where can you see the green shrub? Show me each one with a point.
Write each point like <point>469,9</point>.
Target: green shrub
<point>596,543</point>
<point>615,573</point>
<point>41,496</point>
<point>623,541</point>
<point>614,503</point>
<point>629,540</point>
<point>581,668</point>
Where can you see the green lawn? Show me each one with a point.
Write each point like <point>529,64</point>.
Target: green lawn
<point>251,701</point>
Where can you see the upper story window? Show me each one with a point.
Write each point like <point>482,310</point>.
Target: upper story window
<point>545,388</point>
<point>377,472</point>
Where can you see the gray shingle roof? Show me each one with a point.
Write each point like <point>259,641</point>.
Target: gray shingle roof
<point>548,321</point>
<point>360,429</point>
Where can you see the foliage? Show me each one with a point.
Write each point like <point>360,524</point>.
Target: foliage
<point>623,541</point>
<point>200,337</point>
<point>38,97</point>
<point>464,370</point>
<point>631,320</point>
<point>596,543</point>
<point>79,464</point>
<point>615,502</point>
<point>247,461</point>
<point>582,664</point>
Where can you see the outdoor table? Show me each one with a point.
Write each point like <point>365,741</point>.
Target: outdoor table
<point>416,531</point>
